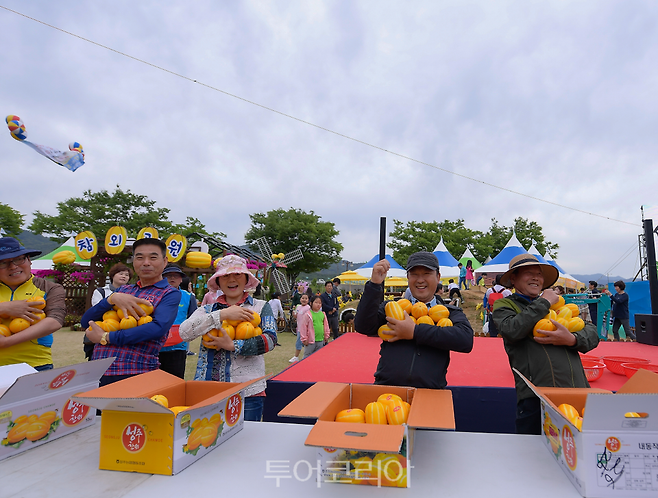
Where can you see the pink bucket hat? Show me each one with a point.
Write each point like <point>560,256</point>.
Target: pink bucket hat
<point>232,264</point>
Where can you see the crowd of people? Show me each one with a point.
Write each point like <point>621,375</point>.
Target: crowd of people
<point>417,354</point>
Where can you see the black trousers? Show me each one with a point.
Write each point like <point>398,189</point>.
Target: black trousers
<point>173,362</point>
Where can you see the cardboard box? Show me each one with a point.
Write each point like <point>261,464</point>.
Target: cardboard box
<point>372,454</point>
<point>36,407</point>
<point>140,435</point>
<point>613,455</point>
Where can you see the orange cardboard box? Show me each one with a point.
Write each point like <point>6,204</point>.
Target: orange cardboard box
<point>614,454</point>
<point>140,435</point>
<point>378,455</point>
<point>37,407</point>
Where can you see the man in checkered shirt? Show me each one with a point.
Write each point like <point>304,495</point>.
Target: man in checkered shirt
<point>136,349</point>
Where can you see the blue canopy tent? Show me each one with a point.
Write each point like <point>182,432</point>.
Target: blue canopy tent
<point>395,271</point>
<point>500,264</point>
<point>447,261</point>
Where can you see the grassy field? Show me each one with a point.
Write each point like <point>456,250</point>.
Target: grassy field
<point>67,350</point>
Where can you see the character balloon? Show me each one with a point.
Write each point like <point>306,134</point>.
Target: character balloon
<point>71,160</point>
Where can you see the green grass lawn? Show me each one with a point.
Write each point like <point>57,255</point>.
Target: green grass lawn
<point>67,350</point>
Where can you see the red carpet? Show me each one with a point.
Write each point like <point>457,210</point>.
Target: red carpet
<point>354,357</point>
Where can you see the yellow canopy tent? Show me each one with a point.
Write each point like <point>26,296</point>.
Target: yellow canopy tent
<point>399,283</point>
<point>351,277</point>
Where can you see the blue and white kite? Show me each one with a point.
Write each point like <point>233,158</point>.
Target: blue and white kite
<point>71,159</point>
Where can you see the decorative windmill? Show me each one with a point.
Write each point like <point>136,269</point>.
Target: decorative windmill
<point>280,280</point>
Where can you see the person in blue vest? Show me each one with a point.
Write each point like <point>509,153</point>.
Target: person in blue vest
<point>172,358</point>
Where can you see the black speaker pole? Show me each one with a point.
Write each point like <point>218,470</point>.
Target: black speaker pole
<point>382,238</point>
<point>651,263</point>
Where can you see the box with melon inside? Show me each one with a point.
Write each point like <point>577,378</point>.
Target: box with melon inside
<point>138,434</point>
<point>615,452</point>
<point>37,407</point>
<point>372,454</point>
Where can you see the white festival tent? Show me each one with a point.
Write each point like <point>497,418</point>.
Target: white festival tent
<point>564,279</point>
<point>447,262</point>
<point>45,261</point>
<point>500,264</point>
<point>395,271</point>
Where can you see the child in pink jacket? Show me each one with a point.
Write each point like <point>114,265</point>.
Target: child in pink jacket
<point>314,328</point>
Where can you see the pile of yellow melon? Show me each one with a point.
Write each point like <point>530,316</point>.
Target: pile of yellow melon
<point>161,399</point>
<point>114,319</point>
<point>16,325</point>
<point>436,315</point>
<point>237,330</point>
<point>388,409</point>
<point>564,314</point>
<point>570,412</point>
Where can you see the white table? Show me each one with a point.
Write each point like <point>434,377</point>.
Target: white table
<point>446,464</point>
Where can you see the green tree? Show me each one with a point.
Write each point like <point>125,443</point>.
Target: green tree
<point>529,231</point>
<point>413,236</point>
<point>98,211</point>
<point>293,229</point>
<point>193,225</point>
<point>11,221</point>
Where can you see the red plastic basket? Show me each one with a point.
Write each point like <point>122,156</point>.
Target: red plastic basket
<point>614,363</point>
<point>593,369</point>
<point>631,368</point>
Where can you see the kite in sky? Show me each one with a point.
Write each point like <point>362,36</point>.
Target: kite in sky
<point>71,159</point>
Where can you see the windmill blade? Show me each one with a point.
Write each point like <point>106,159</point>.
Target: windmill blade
<point>293,256</point>
<point>280,281</point>
<point>264,248</point>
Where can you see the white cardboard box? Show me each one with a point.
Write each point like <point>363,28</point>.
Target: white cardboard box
<point>37,407</point>
<point>612,456</point>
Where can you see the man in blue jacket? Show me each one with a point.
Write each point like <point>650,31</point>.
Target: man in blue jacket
<point>620,310</point>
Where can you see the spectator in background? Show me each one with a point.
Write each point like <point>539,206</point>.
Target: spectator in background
<point>296,298</point>
<point>275,304</point>
<point>453,291</point>
<point>593,293</point>
<point>330,308</point>
<point>336,291</point>
<point>314,327</point>
<point>559,290</point>
<point>173,358</point>
<point>495,292</point>
<point>120,274</point>
<point>462,277</point>
<point>620,310</point>
<point>469,272</point>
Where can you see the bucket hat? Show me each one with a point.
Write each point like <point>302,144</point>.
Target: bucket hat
<point>550,273</point>
<point>10,248</point>
<point>232,264</point>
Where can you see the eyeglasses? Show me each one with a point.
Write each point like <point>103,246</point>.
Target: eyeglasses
<point>16,261</point>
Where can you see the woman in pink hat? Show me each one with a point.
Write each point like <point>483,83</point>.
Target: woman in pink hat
<point>233,360</point>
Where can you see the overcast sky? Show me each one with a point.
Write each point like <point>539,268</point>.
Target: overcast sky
<point>553,99</point>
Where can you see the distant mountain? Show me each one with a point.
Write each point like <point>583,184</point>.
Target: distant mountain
<point>599,278</point>
<point>331,271</point>
<point>40,243</point>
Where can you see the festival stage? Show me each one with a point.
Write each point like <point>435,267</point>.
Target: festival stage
<point>481,382</point>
